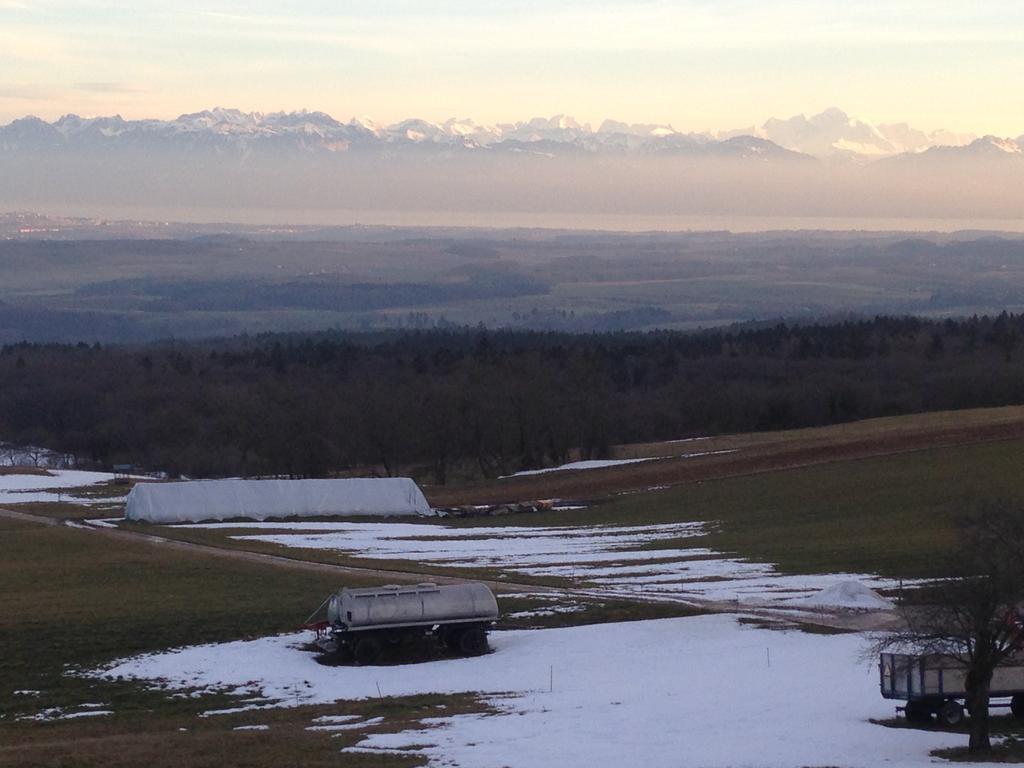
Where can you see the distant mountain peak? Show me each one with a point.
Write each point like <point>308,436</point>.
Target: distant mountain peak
<point>832,113</point>
<point>833,132</point>
<point>997,144</point>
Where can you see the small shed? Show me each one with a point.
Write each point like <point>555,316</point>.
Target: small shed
<point>199,500</point>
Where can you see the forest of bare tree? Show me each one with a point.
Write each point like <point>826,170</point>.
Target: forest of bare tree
<point>477,403</point>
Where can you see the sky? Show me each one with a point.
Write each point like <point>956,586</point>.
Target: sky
<point>694,64</point>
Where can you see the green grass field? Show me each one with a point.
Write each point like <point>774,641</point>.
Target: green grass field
<point>74,599</point>
<point>890,515</point>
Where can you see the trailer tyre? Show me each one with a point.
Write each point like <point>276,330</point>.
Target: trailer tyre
<point>916,712</point>
<point>343,654</point>
<point>951,714</point>
<point>367,650</point>
<point>1017,706</point>
<point>473,641</point>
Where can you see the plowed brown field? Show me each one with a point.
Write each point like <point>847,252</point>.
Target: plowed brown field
<point>752,454</point>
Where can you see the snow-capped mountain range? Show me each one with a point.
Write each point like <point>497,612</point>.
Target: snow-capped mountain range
<point>833,132</point>
<point>831,135</point>
<point>317,131</point>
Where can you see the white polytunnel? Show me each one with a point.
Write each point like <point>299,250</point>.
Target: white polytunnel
<point>198,500</point>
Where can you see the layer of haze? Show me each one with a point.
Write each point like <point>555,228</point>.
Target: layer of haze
<point>515,188</point>
<point>697,64</point>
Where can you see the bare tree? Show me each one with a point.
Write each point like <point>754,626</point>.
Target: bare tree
<point>974,619</point>
<point>35,455</point>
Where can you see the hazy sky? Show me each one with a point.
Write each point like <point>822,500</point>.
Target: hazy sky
<point>697,64</point>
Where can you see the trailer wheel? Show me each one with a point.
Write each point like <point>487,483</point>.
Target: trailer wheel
<point>950,714</point>
<point>343,654</point>
<point>452,639</point>
<point>473,641</point>
<point>917,712</point>
<point>1017,706</point>
<point>367,650</point>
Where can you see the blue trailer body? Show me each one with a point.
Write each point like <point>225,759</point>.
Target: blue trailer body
<point>933,684</point>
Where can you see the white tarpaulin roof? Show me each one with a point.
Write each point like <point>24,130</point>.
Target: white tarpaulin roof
<point>260,499</point>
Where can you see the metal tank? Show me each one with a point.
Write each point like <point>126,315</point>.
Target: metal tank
<point>395,606</point>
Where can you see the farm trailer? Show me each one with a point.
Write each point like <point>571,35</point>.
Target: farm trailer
<point>360,622</point>
<point>933,684</point>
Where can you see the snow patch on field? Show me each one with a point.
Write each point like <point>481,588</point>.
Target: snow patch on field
<point>846,594</point>
<point>578,465</point>
<point>354,724</point>
<point>335,719</point>
<point>614,560</point>
<point>603,463</point>
<point>238,710</point>
<point>58,713</point>
<point>104,522</point>
<point>21,489</point>
<point>676,692</point>
<point>90,713</point>
<point>548,610</point>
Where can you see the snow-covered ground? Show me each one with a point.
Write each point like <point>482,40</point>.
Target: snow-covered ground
<point>845,594</point>
<point>585,464</point>
<point>58,713</point>
<point>615,560</point>
<point>703,691</point>
<point>20,489</point>
<point>602,463</point>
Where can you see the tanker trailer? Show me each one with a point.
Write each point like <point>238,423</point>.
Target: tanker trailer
<point>362,621</point>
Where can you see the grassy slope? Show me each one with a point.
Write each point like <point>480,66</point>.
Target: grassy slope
<point>751,453</point>
<point>834,434</point>
<point>23,471</point>
<point>79,599</point>
<point>886,514</point>
<point>76,597</point>
<point>889,513</point>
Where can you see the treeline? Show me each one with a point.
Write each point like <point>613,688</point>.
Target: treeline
<point>471,403</point>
